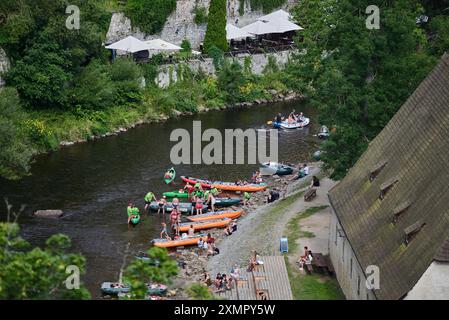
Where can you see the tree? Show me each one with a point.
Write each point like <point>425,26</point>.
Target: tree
<point>16,151</point>
<point>199,292</point>
<point>140,272</point>
<point>357,78</point>
<point>34,273</point>
<point>216,26</point>
<point>230,79</point>
<point>185,46</point>
<point>149,15</point>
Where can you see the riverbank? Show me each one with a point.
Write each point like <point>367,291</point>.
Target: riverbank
<point>261,228</point>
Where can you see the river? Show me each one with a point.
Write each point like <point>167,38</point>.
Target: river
<point>92,183</point>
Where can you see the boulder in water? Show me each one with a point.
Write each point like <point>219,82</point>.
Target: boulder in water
<point>49,213</point>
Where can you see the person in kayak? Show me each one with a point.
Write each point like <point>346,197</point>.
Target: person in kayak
<point>210,200</point>
<point>168,174</point>
<point>148,198</point>
<point>161,205</point>
<point>278,118</point>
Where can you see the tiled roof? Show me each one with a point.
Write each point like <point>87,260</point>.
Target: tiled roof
<point>414,146</point>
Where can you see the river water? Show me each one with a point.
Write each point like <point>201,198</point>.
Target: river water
<point>93,182</point>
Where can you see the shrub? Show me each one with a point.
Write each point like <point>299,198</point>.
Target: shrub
<point>230,79</point>
<point>200,15</point>
<point>216,26</point>
<point>149,15</point>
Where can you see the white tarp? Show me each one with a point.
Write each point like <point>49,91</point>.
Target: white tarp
<point>259,28</point>
<point>159,44</point>
<point>279,14</point>
<point>129,44</point>
<point>282,25</point>
<point>233,32</point>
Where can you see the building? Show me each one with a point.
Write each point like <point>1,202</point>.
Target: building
<point>391,211</point>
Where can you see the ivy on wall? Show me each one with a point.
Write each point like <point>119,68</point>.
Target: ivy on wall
<point>149,15</point>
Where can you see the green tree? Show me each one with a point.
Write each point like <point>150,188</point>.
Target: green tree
<point>199,292</point>
<point>140,272</point>
<point>16,151</point>
<point>186,46</point>
<point>35,273</point>
<point>358,78</point>
<point>216,26</point>
<point>230,79</point>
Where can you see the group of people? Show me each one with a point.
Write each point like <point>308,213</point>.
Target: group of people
<point>293,117</point>
<point>222,282</point>
<point>207,246</point>
<point>199,197</point>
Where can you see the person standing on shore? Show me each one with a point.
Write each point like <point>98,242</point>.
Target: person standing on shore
<point>148,198</point>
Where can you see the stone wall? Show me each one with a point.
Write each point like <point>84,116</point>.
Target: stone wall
<point>4,65</point>
<point>180,24</point>
<point>171,72</point>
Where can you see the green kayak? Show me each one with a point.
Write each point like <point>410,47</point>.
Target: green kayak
<point>135,220</point>
<point>170,175</point>
<point>176,194</point>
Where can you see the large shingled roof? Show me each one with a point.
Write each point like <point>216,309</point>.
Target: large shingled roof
<point>403,230</point>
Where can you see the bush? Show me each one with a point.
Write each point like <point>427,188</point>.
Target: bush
<point>126,76</point>
<point>230,79</point>
<point>149,15</point>
<point>200,15</point>
<point>216,26</point>
<point>15,152</point>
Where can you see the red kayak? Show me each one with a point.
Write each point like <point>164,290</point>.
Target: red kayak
<point>229,186</point>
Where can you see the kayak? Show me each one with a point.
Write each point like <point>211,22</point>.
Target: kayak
<point>176,194</point>
<point>183,207</point>
<point>114,288</point>
<point>215,215</point>
<point>274,168</point>
<point>285,125</point>
<point>189,241</point>
<point>227,202</point>
<point>135,220</point>
<point>207,224</point>
<point>228,186</point>
<point>170,179</point>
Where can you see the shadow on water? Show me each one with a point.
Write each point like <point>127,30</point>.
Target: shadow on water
<point>92,183</point>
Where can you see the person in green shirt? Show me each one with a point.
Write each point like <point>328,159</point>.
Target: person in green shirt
<point>214,191</point>
<point>246,197</point>
<point>148,198</point>
<point>132,211</point>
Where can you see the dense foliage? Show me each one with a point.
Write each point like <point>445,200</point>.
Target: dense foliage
<point>200,13</point>
<point>216,26</point>
<point>149,15</point>
<point>356,77</point>
<point>266,5</point>
<point>35,273</point>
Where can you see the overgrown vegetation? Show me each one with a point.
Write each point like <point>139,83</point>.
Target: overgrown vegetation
<point>200,13</point>
<point>216,26</point>
<point>356,77</point>
<point>35,273</point>
<point>265,5</point>
<point>149,15</point>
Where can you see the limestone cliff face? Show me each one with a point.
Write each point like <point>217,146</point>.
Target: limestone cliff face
<point>4,65</point>
<point>180,24</point>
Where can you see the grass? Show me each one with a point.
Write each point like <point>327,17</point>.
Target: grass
<point>307,287</point>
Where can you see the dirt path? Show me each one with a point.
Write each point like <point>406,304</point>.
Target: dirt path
<point>262,228</point>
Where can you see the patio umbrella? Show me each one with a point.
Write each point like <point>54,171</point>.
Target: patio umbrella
<point>259,28</point>
<point>233,32</point>
<point>282,25</point>
<point>129,44</point>
<point>279,14</point>
<point>159,44</point>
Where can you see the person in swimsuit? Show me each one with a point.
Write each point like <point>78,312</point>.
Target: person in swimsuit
<point>193,201</point>
<point>211,201</point>
<point>161,205</point>
<point>199,205</point>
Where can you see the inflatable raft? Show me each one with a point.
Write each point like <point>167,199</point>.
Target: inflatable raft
<point>189,241</point>
<point>274,168</point>
<point>228,186</point>
<point>183,207</point>
<point>202,225</point>
<point>215,215</point>
<point>114,288</point>
<point>295,125</point>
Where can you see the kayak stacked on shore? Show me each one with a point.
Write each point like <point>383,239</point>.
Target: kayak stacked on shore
<point>187,241</point>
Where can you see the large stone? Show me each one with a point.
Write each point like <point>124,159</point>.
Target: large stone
<point>49,213</point>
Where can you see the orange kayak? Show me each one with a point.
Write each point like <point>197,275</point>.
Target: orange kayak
<point>164,243</point>
<point>216,215</point>
<point>207,224</point>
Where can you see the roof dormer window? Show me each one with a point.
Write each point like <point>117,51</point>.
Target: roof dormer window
<point>412,231</point>
<point>399,210</point>
<point>376,170</point>
<point>386,187</point>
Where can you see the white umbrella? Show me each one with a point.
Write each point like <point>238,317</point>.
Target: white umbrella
<point>233,32</point>
<point>129,44</point>
<point>159,44</point>
<point>259,28</point>
<point>279,14</point>
<point>282,25</point>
